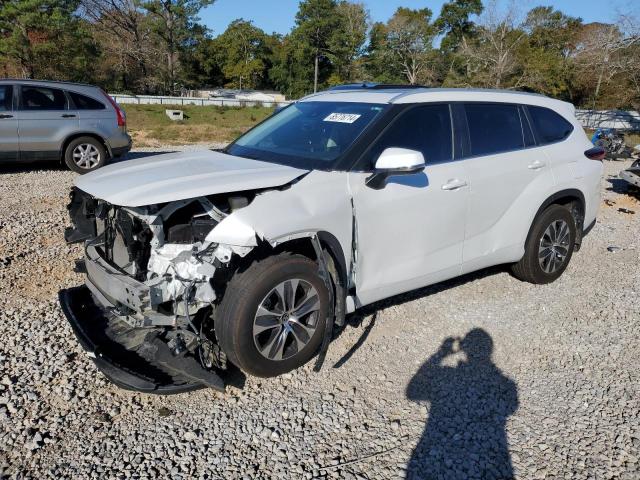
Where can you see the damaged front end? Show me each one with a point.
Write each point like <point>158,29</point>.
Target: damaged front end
<point>153,275</point>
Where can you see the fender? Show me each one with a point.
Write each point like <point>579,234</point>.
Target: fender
<point>318,204</point>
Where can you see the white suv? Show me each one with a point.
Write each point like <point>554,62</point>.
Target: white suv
<point>252,254</point>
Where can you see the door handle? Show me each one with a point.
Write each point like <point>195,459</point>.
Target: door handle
<point>5,115</point>
<point>68,115</point>
<point>454,184</point>
<point>537,165</point>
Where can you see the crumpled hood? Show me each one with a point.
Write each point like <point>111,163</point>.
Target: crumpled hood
<point>182,175</point>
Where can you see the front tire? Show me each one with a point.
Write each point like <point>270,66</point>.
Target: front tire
<point>549,246</point>
<point>273,315</point>
<point>85,154</point>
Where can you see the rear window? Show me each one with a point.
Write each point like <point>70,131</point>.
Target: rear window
<point>82,102</point>
<point>42,98</point>
<point>493,128</point>
<point>549,126</point>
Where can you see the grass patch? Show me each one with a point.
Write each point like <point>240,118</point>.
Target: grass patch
<point>150,127</point>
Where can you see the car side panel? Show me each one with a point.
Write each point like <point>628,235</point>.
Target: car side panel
<point>505,196</point>
<point>9,138</point>
<point>102,123</point>
<point>42,132</point>
<point>409,234</point>
<point>9,143</point>
<point>573,170</point>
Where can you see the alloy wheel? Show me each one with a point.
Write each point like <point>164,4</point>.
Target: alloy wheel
<point>286,319</point>
<point>86,156</point>
<point>554,246</point>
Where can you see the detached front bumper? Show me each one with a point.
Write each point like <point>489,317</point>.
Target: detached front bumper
<point>132,358</point>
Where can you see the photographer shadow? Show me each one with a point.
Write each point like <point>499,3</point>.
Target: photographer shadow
<point>469,404</point>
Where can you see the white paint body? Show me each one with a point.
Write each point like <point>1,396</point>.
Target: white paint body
<point>451,218</point>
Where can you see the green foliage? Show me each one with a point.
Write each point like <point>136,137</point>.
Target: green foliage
<point>403,48</point>
<point>242,52</point>
<point>292,72</point>
<point>44,38</point>
<point>454,22</point>
<point>346,43</point>
<point>328,34</point>
<point>545,55</point>
<point>315,24</point>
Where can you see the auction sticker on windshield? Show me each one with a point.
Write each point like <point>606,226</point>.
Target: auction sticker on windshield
<point>342,117</point>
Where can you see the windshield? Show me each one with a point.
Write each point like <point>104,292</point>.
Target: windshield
<point>307,134</point>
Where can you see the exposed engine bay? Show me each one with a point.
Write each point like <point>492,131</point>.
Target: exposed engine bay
<point>155,269</point>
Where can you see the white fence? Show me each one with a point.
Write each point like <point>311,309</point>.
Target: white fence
<point>218,102</point>
<point>618,119</point>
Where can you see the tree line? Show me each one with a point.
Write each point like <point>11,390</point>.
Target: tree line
<point>160,47</point>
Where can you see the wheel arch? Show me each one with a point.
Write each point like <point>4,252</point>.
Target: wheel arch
<point>303,244</point>
<point>76,135</point>
<point>330,245</point>
<point>573,199</point>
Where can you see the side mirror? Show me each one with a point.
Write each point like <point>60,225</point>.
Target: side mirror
<point>395,161</point>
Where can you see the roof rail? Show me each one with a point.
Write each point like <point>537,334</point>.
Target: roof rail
<point>374,86</point>
<point>36,80</point>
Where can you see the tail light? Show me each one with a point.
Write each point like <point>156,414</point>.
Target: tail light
<point>595,153</point>
<point>122,118</point>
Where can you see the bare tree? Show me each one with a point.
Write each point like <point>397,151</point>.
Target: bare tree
<point>346,45</point>
<point>490,57</point>
<point>409,43</point>
<point>126,39</point>
<point>608,50</point>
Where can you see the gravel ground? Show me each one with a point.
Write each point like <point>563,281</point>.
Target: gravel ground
<point>544,383</point>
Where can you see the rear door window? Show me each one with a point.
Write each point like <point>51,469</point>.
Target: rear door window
<point>82,102</point>
<point>43,98</point>
<point>494,128</point>
<point>550,127</point>
<point>6,98</point>
<point>426,128</point>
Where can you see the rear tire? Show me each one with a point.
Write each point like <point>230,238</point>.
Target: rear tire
<point>85,154</point>
<point>549,246</point>
<point>261,325</point>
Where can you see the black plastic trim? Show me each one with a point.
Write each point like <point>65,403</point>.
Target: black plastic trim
<point>83,314</point>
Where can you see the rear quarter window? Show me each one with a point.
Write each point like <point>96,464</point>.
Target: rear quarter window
<point>82,102</point>
<point>550,127</point>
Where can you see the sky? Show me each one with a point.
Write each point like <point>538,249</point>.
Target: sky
<point>279,15</point>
